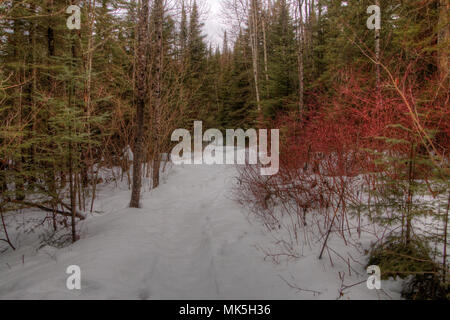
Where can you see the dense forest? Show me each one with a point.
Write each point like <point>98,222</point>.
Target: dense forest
<point>363,112</point>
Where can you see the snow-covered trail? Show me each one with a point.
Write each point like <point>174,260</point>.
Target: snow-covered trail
<point>190,240</point>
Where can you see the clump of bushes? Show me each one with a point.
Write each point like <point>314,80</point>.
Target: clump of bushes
<point>411,261</point>
<point>426,287</point>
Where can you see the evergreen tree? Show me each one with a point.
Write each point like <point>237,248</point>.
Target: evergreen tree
<point>196,44</point>
<point>282,62</point>
<point>238,110</point>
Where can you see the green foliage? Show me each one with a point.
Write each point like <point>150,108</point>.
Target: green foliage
<point>196,45</point>
<point>397,258</point>
<point>235,92</point>
<point>282,65</point>
<point>426,287</point>
<point>411,261</point>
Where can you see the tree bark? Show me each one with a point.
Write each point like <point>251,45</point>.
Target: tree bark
<point>72,193</point>
<point>141,101</point>
<point>266,70</point>
<point>377,54</point>
<point>444,40</point>
<point>159,52</point>
<point>254,46</point>
<point>300,57</point>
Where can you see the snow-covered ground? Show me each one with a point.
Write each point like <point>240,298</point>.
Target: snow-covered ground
<point>190,240</point>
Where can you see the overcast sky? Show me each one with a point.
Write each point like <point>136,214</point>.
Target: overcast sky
<point>213,25</point>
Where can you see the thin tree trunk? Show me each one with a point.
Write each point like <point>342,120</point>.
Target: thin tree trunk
<point>159,16</point>
<point>377,55</point>
<point>266,69</point>
<point>18,161</point>
<point>410,194</point>
<point>7,240</point>
<point>444,40</point>
<point>300,57</point>
<point>70,157</point>
<point>88,87</point>
<point>445,242</point>
<point>254,46</point>
<point>51,166</point>
<point>71,184</point>
<point>33,93</point>
<point>141,101</point>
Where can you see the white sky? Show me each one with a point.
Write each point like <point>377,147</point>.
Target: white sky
<point>213,25</point>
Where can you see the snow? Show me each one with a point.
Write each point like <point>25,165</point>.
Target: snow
<point>190,240</point>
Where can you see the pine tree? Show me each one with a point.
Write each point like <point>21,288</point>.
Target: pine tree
<point>238,109</point>
<point>282,61</point>
<point>196,44</point>
<point>184,33</point>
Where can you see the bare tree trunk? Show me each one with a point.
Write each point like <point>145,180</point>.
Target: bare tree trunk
<point>18,159</point>
<point>159,19</point>
<point>377,54</point>
<point>141,100</point>
<point>33,92</point>
<point>254,46</point>
<point>51,83</point>
<point>300,57</point>
<point>70,157</point>
<point>409,200</point>
<point>445,242</point>
<point>88,88</point>
<point>444,40</point>
<point>266,69</point>
<point>71,183</point>
<point>5,230</point>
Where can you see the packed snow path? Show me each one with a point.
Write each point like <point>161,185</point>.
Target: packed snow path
<point>190,240</point>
